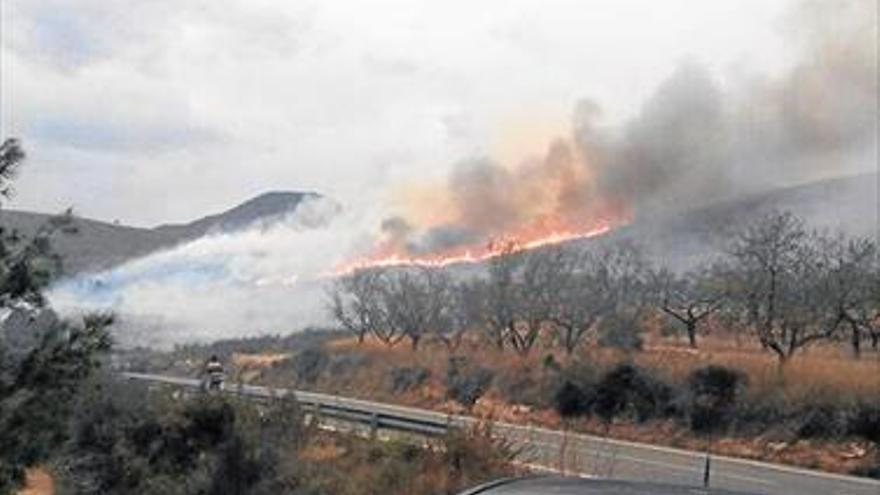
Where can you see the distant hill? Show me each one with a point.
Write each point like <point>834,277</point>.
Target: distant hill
<point>846,204</point>
<point>101,245</point>
<point>264,209</point>
<point>680,240</point>
<point>96,245</point>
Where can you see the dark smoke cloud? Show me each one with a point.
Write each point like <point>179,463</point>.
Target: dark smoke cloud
<point>673,152</point>
<point>482,192</point>
<point>694,141</point>
<point>447,237</point>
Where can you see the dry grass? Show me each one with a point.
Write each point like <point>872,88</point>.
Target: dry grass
<point>38,482</point>
<point>823,371</point>
<point>322,450</point>
<point>823,374</point>
<point>349,465</point>
<point>262,360</point>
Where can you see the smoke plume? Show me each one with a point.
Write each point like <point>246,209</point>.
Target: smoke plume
<point>268,279</point>
<point>694,142</point>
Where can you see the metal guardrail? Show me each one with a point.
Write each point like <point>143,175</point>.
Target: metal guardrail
<point>328,406</point>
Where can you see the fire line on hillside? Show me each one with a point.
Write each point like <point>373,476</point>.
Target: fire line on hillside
<point>388,256</point>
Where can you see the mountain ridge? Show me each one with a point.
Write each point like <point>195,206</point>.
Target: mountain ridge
<point>679,240</point>
<point>100,245</point>
<point>267,206</point>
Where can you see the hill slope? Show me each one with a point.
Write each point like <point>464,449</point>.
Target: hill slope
<point>96,245</point>
<point>264,209</point>
<point>846,204</point>
<point>101,245</point>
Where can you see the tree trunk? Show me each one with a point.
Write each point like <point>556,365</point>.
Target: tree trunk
<point>691,327</point>
<point>570,342</point>
<point>856,340</point>
<point>780,366</point>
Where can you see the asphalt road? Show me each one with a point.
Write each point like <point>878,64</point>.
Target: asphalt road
<point>553,485</point>
<point>591,456</point>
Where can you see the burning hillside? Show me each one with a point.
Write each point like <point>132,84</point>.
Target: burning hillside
<point>700,138</point>
<point>694,141</point>
<point>540,236</point>
<point>485,208</point>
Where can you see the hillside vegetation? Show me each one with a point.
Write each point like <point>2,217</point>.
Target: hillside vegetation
<point>772,348</point>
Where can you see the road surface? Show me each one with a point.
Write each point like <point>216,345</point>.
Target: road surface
<point>584,455</point>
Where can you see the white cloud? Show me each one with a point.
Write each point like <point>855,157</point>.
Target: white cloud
<point>190,107</point>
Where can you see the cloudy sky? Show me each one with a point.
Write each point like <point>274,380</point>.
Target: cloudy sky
<point>149,112</point>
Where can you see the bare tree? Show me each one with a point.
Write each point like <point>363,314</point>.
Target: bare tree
<point>355,302</point>
<point>689,298</point>
<point>777,280</point>
<point>463,313</point>
<point>852,285</point>
<point>577,299</point>
<point>535,295</point>
<point>501,293</point>
<point>871,317</point>
<point>517,297</point>
<point>622,276</point>
<point>417,303</point>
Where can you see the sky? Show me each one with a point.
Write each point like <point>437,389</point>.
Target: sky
<point>164,111</point>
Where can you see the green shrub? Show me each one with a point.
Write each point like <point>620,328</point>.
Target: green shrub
<point>866,422</point>
<point>309,364</point>
<point>129,440</point>
<point>821,421</point>
<point>756,414</point>
<point>629,391</point>
<point>570,401</point>
<point>713,392</point>
<point>408,378</point>
<point>464,384</point>
<point>575,391</point>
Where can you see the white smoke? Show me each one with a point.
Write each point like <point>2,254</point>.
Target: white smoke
<point>265,280</point>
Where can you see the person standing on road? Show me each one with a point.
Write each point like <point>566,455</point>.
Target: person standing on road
<point>214,373</point>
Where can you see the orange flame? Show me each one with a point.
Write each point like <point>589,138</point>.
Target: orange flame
<point>535,236</point>
<point>541,202</point>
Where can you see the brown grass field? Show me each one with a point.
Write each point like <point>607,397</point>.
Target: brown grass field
<point>828,371</point>
<point>822,374</point>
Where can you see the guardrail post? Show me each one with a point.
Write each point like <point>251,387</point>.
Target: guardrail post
<point>374,424</point>
<point>707,467</point>
<point>706,470</point>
